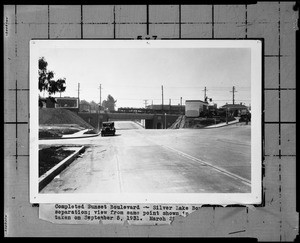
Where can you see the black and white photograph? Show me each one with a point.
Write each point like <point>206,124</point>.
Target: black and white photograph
<point>168,121</point>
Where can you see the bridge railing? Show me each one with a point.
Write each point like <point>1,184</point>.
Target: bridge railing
<point>150,111</point>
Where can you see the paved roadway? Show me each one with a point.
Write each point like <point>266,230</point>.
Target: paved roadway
<point>159,161</point>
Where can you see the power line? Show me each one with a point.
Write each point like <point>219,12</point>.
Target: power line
<point>141,99</point>
<point>192,87</point>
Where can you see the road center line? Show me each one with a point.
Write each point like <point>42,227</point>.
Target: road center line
<point>232,175</point>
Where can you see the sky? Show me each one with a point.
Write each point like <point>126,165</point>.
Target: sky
<point>133,75</point>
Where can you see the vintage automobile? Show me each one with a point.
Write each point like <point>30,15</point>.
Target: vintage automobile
<point>108,128</point>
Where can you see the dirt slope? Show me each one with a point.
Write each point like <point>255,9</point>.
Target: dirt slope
<point>197,122</point>
<point>53,116</point>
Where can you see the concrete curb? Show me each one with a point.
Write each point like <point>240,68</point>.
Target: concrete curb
<point>50,174</point>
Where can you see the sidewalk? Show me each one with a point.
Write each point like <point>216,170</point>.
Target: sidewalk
<point>223,124</point>
<point>80,134</point>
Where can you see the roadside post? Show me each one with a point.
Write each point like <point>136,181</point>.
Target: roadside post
<point>165,120</point>
<point>226,115</point>
<point>98,118</point>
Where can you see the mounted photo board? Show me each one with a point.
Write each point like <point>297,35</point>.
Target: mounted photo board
<point>274,218</point>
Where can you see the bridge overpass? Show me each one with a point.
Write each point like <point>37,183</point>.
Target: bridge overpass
<point>152,121</point>
<point>130,116</point>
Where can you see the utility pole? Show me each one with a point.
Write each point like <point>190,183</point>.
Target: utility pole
<point>180,105</point>
<point>78,96</point>
<point>100,95</point>
<point>78,90</point>
<point>98,110</point>
<point>145,101</point>
<point>162,97</point>
<point>169,102</point>
<point>233,91</point>
<point>204,93</point>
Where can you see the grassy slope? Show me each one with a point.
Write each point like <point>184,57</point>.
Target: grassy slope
<point>52,116</point>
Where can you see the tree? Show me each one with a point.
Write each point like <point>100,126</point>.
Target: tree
<point>109,103</point>
<point>84,105</point>
<point>94,105</point>
<point>47,82</point>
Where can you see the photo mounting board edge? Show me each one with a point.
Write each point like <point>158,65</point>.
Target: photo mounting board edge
<point>255,197</point>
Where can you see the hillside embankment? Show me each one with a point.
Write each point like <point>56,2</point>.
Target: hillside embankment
<point>54,123</point>
<point>196,122</point>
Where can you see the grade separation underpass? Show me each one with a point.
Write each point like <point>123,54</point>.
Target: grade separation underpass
<point>160,161</point>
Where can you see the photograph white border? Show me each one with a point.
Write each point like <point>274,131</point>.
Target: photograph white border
<point>254,197</point>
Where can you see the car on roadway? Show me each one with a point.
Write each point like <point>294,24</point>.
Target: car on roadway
<point>108,128</point>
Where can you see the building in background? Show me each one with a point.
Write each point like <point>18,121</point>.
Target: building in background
<point>193,108</point>
<point>70,103</point>
<point>235,109</point>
